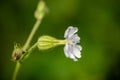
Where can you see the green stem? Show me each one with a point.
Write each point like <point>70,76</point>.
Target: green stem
<point>61,42</point>
<point>39,14</point>
<point>31,48</point>
<point>29,51</point>
<point>25,47</point>
<point>31,34</point>
<point>17,67</point>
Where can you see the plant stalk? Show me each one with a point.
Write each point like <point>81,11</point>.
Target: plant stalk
<point>25,47</point>
<point>31,35</point>
<point>17,67</point>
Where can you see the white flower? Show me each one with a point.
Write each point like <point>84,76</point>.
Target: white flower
<point>72,49</point>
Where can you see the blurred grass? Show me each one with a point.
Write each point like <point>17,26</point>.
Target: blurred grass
<point>99,29</point>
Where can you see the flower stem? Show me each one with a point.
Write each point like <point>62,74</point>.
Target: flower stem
<point>29,51</point>
<point>17,67</point>
<point>25,47</point>
<point>39,14</point>
<point>31,34</point>
<point>61,42</point>
<point>31,48</point>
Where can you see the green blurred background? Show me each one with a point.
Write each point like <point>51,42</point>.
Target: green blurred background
<point>99,28</point>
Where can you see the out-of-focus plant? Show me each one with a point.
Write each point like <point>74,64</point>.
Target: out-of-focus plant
<point>71,49</point>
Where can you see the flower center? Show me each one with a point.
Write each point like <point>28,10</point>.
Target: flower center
<point>69,41</point>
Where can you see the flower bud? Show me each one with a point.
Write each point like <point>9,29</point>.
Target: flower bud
<point>40,11</point>
<point>46,42</point>
<point>17,52</point>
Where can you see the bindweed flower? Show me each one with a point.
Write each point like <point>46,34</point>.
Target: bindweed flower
<point>72,49</point>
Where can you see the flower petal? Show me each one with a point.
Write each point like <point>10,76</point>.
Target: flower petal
<point>70,31</point>
<point>66,50</point>
<point>76,51</point>
<point>79,47</point>
<point>71,52</point>
<point>71,49</point>
<point>75,39</point>
<point>73,57</point>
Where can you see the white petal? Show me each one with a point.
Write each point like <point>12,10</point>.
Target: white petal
<point>76,51</point>
<point>79,47</point>
<point>66,50</point>
<point>73,57</point>
<point>67,31</point>
<point>71,52</point>
<point>70,31</point>
<point>77,54</point>
<point>75,39</point>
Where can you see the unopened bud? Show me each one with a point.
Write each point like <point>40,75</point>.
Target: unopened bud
<point>17,53</point>
<point>40,11</point>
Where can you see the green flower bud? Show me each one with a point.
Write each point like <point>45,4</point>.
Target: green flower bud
<point>17,52</point>
<point>46,42</point>
<point>40,11</point>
